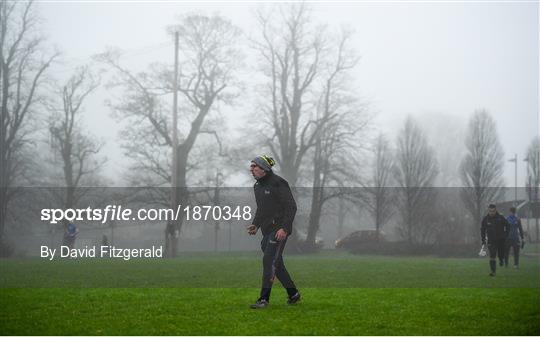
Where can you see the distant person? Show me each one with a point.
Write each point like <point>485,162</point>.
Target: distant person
<point>275,213</point>
<point>515,234</point>
<point>104,240</point>
<point>495,226</point>
<point>70,234</point>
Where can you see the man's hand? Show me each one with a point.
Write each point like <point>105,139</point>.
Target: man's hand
<point>522,243</point>
<point>252,229</point>
<point>281,234</point>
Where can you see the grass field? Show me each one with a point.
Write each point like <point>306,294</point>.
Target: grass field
<point>209,294</point>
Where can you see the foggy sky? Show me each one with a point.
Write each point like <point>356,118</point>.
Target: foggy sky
<point>424,59</point>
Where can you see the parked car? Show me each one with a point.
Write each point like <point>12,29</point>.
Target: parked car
<point>302,236</point>
<point>359,237</point>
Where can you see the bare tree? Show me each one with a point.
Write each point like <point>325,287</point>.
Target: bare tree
<point>342,123</point>
<point>379,196</point>
<point>415,170</point>
<point>481,168</point>
<point>23,63</point>
<point>208,49</point>
<point>77,150</point>
<point>292,51</point>
<point>533,179</point>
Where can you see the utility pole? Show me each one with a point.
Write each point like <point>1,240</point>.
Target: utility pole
<point>514,160</point>
<point>528,189</point>
<point>174,179</point>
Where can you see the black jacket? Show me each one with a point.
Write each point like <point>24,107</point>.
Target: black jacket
<point>496,227</point>
<point>276,207</point>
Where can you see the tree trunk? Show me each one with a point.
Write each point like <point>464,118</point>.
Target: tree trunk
<point>378,207</point>
<point>408,217</point>
<point>172,231</point>
<point>289,172</point>
<point>4,158</point>
<point>314,217</point>
<point>477,225</point>
<point>537,230</point>
<point>341,218</point>
<point>316,198</point>
<point>3,210</point>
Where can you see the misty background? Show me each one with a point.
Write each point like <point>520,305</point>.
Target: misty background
<point>359,103</point>
<point>431,60</point>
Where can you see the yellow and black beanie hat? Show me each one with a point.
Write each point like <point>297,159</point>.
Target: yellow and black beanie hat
<point>264,162</point>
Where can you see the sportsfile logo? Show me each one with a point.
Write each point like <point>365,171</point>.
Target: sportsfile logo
<point>110,212</point>
<point>119,213</point>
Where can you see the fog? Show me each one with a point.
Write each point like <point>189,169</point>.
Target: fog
<point>357,102</point>
<point>425,59</point>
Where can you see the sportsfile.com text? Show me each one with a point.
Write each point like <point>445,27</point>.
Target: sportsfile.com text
<point>120,213</point>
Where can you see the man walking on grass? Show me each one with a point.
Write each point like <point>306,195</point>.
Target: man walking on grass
<point>495,226</point>
<point>275,213</point>
<point>514,235</point>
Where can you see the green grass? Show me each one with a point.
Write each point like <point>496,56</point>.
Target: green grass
<point>242,270</point>
<point>209,294</point>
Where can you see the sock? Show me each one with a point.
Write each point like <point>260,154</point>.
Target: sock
<point>291,291</point>
<point>493,265</point>
<point>265,294</point>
